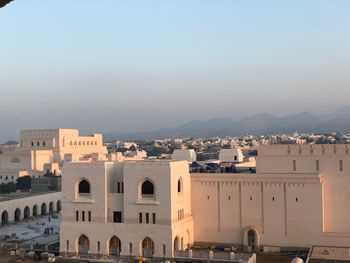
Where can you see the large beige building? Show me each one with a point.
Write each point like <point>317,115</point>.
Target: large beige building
<point>46,150</point>
<point>298,197</point>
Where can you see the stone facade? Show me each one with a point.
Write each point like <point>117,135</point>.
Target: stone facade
<point>298,198</point>
<point>46,150</point>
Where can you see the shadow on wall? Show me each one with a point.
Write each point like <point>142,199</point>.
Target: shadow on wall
<point>4,2</point>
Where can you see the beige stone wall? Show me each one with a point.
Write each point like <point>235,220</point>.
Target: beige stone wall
<point>279,159</point>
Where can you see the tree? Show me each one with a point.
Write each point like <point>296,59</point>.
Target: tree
<point>24,183</point>
<point>8,188</point>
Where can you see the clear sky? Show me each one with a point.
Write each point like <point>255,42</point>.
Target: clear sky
<point>110,65</point>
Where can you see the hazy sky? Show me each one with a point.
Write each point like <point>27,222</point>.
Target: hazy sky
<point>109,65</point>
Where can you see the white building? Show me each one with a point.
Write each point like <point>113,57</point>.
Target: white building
<point>184,155</point>
<point>124,208</point>
<point>231,156</point>
<point>299,197</point>
<point>46,150</point>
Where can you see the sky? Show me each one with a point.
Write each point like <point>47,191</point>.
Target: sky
<point>124,66</point>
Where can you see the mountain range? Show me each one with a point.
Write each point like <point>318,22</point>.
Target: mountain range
<point>259,124</point>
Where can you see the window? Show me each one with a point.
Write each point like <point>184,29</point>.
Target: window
<point>118,187</point>
<point>130,248</point>
<point>164,250</point>
<point>117,217</point>
<point>180,214</point>
<point>340,165</point>
<point>122,187</point>
<point>98,247</point>
<point>147,218</point>
<point>77,216</point>
<point>154,218</point>
<point>140,218</point>
<point>67,245</point>
<point>83,216</point>
<point>235,157</point>
<point>294,165</point>
<point>44,144</point>
<point>147,189</point>
<point>84,188</point>
<point>179,186</point>
<point>89,216</point>
<point>317,165</point>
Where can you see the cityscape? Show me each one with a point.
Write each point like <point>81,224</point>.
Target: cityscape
<point>174,131</point>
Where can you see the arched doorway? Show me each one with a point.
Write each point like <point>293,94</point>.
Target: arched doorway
<point>83,244</point>
<point>176,243</point>
<point>147,248</point>
<point>17,215</point>
<point>58,206</point>
<point>43,209</point>
<point>4,218</point>
<point>35,210</point>
<point>251,239</point>
<point>51,208</point>
<point>115,246</point>
<point>26,214</point>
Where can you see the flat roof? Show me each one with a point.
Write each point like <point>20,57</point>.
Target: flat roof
<point>330,253</point>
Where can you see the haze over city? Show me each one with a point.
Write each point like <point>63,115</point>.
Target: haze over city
<point>129,66</point>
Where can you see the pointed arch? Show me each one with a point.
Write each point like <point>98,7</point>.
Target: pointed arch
<point>83,244</point>
<point>114,246</point>
<point>147,248</point>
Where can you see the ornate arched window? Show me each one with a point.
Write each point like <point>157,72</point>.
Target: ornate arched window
<point>147,189</point>
<point>84,188</point>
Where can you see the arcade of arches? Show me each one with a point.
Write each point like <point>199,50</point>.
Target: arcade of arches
<point>28,211</point>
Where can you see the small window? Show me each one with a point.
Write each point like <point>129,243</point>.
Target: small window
<point>130,248</point>
<point>164,250</point>
<point>179,186</point>
<point>98,247</point>
<point>340,165</point>
<point>77,216</point>
<point>122,184</point>
<point>140,218</point>
<point>273,199</point>
<point>229,197</point>
<point>89,216</point>
<point>118,187</point>
<point>44,144</point>
<point>251,198</point>
<point>147,218</point>
<point>67,245</point>
<point>296,199</point>
<point>154,218</point>
<point>236,158</point>
<point>294,165</point>
<point>317,165</point>
<point>117,217</point>
<point>83,216</point>
<point>208,197</point>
